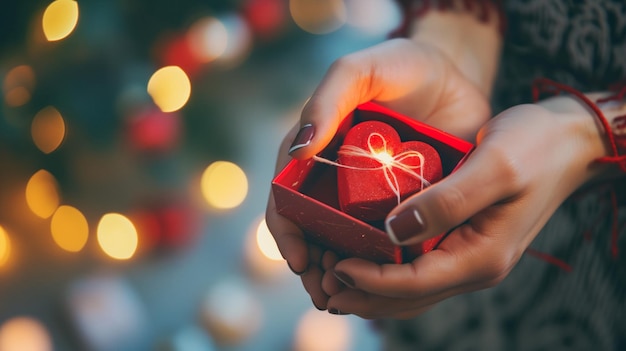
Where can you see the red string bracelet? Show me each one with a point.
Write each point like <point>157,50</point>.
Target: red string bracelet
<point>616,137</point>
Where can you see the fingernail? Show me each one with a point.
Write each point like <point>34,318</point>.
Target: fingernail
<point>404,226</point>
<point>304,137</point>
<point>316,306</point>
<point>294,271</point>
<point>345,279</point>
<point>336,311</point>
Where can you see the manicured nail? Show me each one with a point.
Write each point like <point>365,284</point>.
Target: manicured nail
<point>336,311</point>
<point>316,306</point>
<point>404,226</point>
<point>304,137</point>
<point>294,271</point>
<point>345,279</point>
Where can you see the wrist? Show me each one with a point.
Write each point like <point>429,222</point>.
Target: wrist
<point>586,136</point>
<point>472,45</point>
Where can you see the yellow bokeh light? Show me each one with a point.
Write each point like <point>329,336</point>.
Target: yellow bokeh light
<point>224,185</point>
<point>5,247</point>
<point>69,228</point>
<point>208,39</point>
<point>266,243</point>
<point>17,97</point>
<point>117,236</point>
<point>42,194</point>
<point>170,88</point>
<point>318,16</point>
<point>48,129</point>
<point>24,334</point>
<point>60,19</point>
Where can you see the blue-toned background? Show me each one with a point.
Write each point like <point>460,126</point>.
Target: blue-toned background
<point>131,197</point>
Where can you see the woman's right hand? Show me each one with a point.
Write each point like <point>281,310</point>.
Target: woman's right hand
<point>414,79</point>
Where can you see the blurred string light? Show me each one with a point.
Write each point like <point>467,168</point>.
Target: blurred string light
<point>24,334</point>
<point>5,247</point>
<point>170,88</point>
<point>117,236</point>
<point>152,130</point>
<point>239,40</point>
<point>69,228</point>
<point>318,16</point>
<point>48,129</point>
<point>60,19</point>
<point>224,185</point>
<point>231,312</point>
<point>266,17</point>
<point>262,255</point>
<point>314,324</point>
<point>42,194</point>
<point>18,85</point>
<point>208,39</point>
<point>374,17</point>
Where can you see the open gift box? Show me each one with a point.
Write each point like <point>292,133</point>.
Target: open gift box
<point>306,191</point>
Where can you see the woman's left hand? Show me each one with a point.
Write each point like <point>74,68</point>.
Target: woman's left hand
<point>528,160</point>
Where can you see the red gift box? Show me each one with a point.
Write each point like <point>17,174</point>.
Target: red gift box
<point>305,191</point>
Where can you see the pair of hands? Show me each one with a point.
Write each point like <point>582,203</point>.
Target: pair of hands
<point>528,160</point>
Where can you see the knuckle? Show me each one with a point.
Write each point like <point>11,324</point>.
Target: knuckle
<point>509,171</point>
<point>450,202</point>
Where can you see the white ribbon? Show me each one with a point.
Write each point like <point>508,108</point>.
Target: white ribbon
<point>386,160</point>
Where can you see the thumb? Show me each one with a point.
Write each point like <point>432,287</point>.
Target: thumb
<point>483,180</point>
<point>346,85</point>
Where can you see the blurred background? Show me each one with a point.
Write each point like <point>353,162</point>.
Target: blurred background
<point>137,147</point>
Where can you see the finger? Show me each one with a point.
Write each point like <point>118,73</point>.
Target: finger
<point>312,282</point>
<point>466,261</point>
<point>330,284</point>
<point>371,306</point>
<point>487,177</point>
<point>289,239</point>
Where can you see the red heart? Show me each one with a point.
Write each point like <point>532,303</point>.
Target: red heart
<point>365,192</point>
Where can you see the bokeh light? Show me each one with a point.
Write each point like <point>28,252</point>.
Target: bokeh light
<point>48,129</point>
<point>224,185</point>
<point>239,42</point>
<point>24,334</point>
<point>208,39</point>
<point>69,228</point>
<point>5,246</point>
<point>318,16</point>
<point>60,19</point>
<point>42,194</point>
<point>335,330</point>
<point>266,242</point>
<point>263,259</point>
<point>18,85</point>
<point>231,312</point>
<point>170,88</point>
<point>374,17</point>
<point>117,236</point>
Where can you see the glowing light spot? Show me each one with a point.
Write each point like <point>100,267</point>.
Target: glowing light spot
<point>42,194</point>
<point>24,334</point>
<point>69,228</point>
<point>18,85</point>
<point>314,323</point>
<point>5,247</point>
<point>384,157</point>
<point>318,16</point>
<point>170,88</point>
<point>60,19</point>
<point>224,185</point>
<point>117,236</point>
<point>239,43</point>
<point>208,39</point>
<point>48,129</point>
<point>266,242</point>
<point>374,17</point>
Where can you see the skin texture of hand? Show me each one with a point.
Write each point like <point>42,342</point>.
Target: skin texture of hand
<point>414,79</point>
<point>528,160</point>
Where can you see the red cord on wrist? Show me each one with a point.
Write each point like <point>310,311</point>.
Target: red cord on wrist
<point>615,135</point>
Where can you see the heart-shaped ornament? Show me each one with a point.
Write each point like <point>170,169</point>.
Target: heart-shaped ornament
<point>379,170</point>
